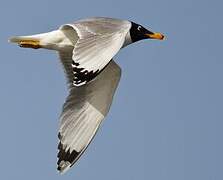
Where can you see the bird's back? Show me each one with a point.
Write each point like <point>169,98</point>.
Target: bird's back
<point>103,25</point>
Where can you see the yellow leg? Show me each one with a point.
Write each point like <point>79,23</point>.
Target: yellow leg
<point>30,43</point>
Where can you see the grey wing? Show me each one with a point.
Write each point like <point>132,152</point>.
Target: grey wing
<point>107,25</point>
<point>66,61</point>
<point>82,114</point>
<point>99,40</point>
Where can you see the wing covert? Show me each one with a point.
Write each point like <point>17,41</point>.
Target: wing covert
<point>99,41</point>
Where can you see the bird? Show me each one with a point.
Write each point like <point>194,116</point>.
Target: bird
<point>86,50</point>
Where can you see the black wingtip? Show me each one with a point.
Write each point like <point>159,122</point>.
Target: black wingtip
<point>66,158</point>
<point>82,76</point>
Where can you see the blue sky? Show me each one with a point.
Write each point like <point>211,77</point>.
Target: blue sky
<point>166,117</point>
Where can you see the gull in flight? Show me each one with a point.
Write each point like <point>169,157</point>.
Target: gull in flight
<point>86,49</point>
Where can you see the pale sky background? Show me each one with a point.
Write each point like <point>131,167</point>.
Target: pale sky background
<point>166,119</point>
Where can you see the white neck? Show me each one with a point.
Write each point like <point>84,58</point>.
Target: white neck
<point>128,40</point>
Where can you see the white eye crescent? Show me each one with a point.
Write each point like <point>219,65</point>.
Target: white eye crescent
<point>139,27</point>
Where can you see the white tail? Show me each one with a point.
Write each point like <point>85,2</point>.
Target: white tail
<point>55,40</point>
<point>18,39</point>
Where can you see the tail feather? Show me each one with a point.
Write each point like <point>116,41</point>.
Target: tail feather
<point>49,40</point>
<point>18,39</point>
<point>26,41</point>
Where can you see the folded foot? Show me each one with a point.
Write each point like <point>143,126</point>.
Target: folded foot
<point>29,44</point>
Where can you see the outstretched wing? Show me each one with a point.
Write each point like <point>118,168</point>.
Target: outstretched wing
<point>99,41</point>
<point>83,112</point>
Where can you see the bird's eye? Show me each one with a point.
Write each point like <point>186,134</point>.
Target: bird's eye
<point>139,27</point>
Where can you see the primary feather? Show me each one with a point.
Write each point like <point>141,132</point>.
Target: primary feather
<point>82,114</point>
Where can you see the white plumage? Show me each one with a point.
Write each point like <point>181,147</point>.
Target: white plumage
<point>92,47</point>
<point>86,49</point>
<point>83,111</point>
<point>86,106</point>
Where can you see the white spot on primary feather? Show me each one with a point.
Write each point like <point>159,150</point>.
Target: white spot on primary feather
<point>64,166</point>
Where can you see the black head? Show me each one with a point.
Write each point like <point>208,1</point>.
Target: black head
<point>138,32</point>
